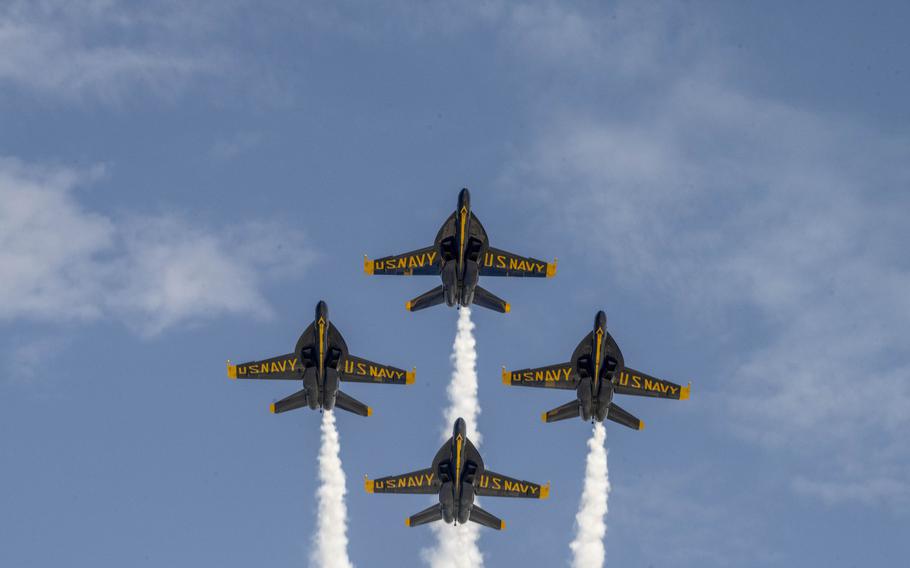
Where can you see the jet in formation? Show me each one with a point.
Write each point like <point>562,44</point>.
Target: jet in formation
<point>460,255</point>
<point>457,476</point>
<point>321,359</point>
<point>596,372</point>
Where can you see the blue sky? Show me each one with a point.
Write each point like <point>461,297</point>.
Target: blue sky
<point>181,182</point>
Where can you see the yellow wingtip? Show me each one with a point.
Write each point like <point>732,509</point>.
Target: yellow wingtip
<point>506,377</point>
<point>543,417</point>
<point>407,305</point>
<point>508,307</point>
<point>272,408</point>
<point>407,522</point>
<point>684,392</point>
<point>369,411</point>
<point>545,491</point>
<point>368,266</point>
<point>368,484</point>
<point>231,370</point>
<point>410,376</point>
<point>551,268</point>
<point>641,425</point>
<point>502,525</point>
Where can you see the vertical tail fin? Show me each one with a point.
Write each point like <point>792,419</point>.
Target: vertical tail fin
<point>486,519</point>
<point>428,515</point>
<point>488,300</point>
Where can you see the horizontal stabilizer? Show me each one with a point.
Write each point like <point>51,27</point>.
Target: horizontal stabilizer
<point>426,300</point>
<point>486,519</point>
<point>488,300</point>
<point>620,416</point>
<point>428,515</point>
<point>296,400</point>
<point>564,412</point>
<point>351,404</point>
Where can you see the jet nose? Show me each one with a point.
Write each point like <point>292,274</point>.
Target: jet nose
<point>464,199</point>
<point>600,322</point>
<point>322,310</point>
<point>460,427</point>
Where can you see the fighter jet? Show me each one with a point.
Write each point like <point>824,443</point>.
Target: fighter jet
<point>460,255</point>
<point>596,372</point>
<point>321,360</point>
<point>457,476</point>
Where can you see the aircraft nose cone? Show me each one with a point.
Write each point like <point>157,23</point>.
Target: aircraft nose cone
<point>460,427</point>
<point>464,199</point>
<point>322,310</point>
<point>601,320</point>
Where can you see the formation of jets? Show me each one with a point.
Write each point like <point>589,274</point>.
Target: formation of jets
<point>460,254</point>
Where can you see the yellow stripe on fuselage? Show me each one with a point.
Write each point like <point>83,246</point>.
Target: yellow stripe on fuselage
<point>458,443</point>
<point>600,336</point>
<point>464,218</point>
<point>321,323</point>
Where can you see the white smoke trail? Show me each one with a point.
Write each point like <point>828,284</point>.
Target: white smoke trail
<point>330,541</point>
<point>590,521</point>
<point>456,547</point>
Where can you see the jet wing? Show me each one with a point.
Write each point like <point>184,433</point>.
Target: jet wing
<point>496,262</point>
<point>357,370</point>
<point>422,481</point>
<point>630,381</point>
<point>559,376</point>
<point>283,367</point>
<point>420,262</point>
<point>492,484</point>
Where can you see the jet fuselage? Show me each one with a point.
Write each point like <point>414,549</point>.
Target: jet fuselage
<point>457,472</point>
<point>460,249</point>
<point>596,369</point>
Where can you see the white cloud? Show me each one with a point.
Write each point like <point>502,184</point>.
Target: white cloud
<point>103,49</point>
<point>733,203</point>
<point>60,261</point>
<point>49,244</point>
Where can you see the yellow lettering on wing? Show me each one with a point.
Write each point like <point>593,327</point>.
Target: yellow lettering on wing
<point>406,263</point>
<point>546,375</point>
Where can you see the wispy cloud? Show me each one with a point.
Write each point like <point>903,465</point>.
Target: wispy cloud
<point>731,202</point>
<point>105,49</point>
<point>59,260</point>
